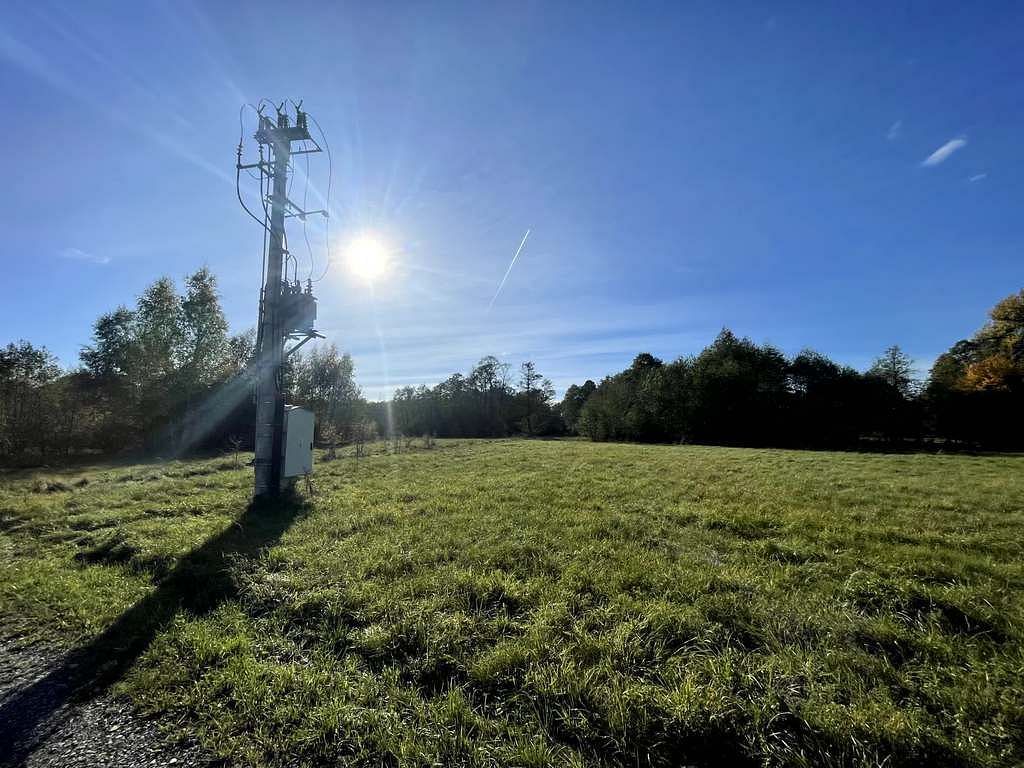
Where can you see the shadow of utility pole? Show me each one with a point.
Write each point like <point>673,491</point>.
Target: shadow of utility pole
<point>197,585</point>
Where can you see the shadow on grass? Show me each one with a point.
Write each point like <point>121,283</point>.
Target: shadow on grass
<point>197,585</point>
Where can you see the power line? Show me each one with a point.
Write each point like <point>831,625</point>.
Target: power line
<point>241,136</point>
<point>330,181</point>
<point>238,172</point>
<point>238,192</point>
<point>263,201</point>
<point>305,231</point>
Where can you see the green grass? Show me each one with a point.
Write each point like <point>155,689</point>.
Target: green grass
<point>549,603</point>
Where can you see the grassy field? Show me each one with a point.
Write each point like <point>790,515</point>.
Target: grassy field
<point>545,603</point>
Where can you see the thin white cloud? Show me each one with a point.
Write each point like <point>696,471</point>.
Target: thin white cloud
<point>942,153</point>
<point>77,254</point>
<point>978,177</point>
<point>894,131</point>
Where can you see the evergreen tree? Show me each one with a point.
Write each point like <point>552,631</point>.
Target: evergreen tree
<point>896,369</point>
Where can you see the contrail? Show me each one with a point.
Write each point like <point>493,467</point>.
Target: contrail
<point>507,271</point>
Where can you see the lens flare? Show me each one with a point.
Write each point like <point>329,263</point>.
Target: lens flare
<point>367,258</point>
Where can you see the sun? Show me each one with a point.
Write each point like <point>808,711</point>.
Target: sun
<point>367,258</point>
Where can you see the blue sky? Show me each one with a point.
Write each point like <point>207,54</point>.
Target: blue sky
<point>680,168</point>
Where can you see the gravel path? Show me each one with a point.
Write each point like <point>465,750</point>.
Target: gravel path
<point>40,728</point>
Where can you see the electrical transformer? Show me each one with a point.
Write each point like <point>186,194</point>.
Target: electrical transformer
<point>298,441</point>
<point>298,308</point>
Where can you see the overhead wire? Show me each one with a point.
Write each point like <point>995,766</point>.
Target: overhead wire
<point>305,231</point>
<point>327,207</point>
<point>266,229</point>
<point>238,173</point>
<point>238,193</point>
<point>266,215</point>
<point>241,133</point>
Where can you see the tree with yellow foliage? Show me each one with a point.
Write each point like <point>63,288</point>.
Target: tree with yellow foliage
<point>993,360</point>
<point>976,390</point>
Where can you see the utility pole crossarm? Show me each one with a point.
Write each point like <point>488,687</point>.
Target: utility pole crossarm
<point>282,134</point>
<point>308,151</point>
<point>297,211</point>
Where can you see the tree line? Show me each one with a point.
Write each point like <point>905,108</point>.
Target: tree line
<point>166,377</point>
<point>489,401</point>
<point>163,377</point>
<point>736,392</point>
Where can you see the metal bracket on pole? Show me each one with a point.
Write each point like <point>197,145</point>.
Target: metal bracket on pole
<point>309,335</point>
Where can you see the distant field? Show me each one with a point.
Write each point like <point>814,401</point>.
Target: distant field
<point>535,603</point>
